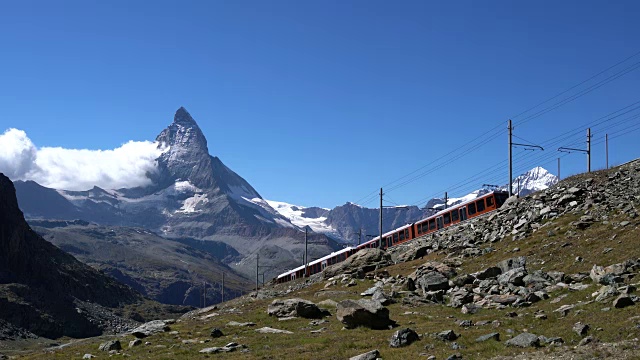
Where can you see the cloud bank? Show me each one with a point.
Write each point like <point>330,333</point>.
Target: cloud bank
<point>77,169</point>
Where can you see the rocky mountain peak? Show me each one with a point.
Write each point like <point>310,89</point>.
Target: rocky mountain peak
<point>183,133</point>
<point>187,155</point>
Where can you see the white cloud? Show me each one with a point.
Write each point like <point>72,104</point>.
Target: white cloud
<point>77,169</point>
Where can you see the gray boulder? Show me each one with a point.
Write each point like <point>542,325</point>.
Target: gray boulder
<point>495,336</point>
<point>513,263</point>
<point>381,297</point>
<point>134,343</point>
<point>403,337</point>
<point>269,330</point>
<point>488,273</point>
<point>371,355</point>
<point>110,345</point>
<point>367,313</point>
<point>227,348</point>
<point>447,335</point>
<point>295,307</point>
<point>623,301</point>
<point>150,328</point>
<point>514,276</point>
<point>524,340</point>
<point>460,297</point>
<point>431,281</point>
<point>580,328</point>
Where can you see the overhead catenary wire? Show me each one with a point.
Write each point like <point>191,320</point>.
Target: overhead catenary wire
<point>417,174</point>
<point>521,162</point>
<point>577,85</point>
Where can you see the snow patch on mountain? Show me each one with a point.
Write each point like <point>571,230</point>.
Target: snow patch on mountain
<point>295,214</point>
<point>190,204</point>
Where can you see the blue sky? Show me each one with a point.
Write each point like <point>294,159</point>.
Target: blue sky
<point>320,103</point>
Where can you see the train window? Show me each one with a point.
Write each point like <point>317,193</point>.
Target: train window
<point>395,238</point>
<point>480,204</point>
<point>490,201</point>
<point>471,208</point>
<point>401,235</point>
<point>406,233</point>
<point>432,224</point>
<point>447,218</point>
<point>455,215</point>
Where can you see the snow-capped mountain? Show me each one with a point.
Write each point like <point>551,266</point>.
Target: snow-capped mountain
<point>533,180</point>
<point>345,222</point>
<point>192,195</point>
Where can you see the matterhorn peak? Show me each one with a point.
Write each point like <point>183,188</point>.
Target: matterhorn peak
<point>187,156</point>
<point>183,117</point>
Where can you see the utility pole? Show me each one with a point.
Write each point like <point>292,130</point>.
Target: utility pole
<point>518,185</point>
<point>360,236</point>
<point>511,145</point>
<point>446,198</point>
<point>510,159</point>
<point>558,168</point>
<point>222,287</point>
<point>306,258</point>
<point>380,239</point>
<point>606,141</point>
<point>589,149</point>
<point>257,271</point>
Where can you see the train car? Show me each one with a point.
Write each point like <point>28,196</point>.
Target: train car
<point>440,220</point>
<point>317,265</point>
<point>460,212</point>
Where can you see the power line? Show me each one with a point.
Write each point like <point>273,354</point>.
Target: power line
<point>577,85</point>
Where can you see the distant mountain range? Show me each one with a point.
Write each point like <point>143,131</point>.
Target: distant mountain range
<point>193,195</point>
<point>345,222</point>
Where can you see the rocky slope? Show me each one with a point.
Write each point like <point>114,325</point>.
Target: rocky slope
<point>43,289</point>
<point>551,275</point>
<point>192,195</point>
<point>168,271</point>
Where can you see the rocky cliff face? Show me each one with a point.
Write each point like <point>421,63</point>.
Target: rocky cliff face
<point>40,285</point>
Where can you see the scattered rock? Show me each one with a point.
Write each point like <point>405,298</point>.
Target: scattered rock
<point>524,340</point>
<point>371,355</point>
<point>268,330</point>
<point>110,345</point>
<point>447,335</point>
<point>585,341</point>
<point>134,343</point>
<point>295,307</point>
<point>495,336</point>
<point>367,313</point>
<point>216,333</point>
<point>227,348</point>
<point>580,328</point>
<point>86,356</point>
<point>150,328</point>
<point>403,337</point>
<point>622,301</point>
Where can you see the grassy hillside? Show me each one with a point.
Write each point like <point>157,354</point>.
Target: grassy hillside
<point>601,228</point>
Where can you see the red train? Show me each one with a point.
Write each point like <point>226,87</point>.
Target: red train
<point>442,219</point>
